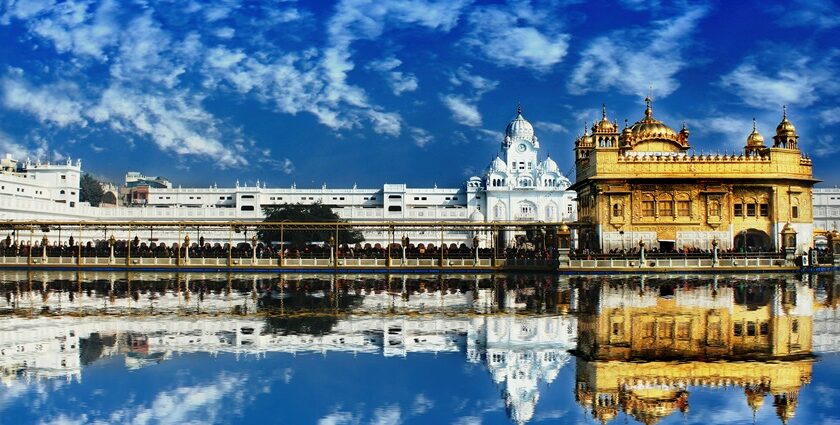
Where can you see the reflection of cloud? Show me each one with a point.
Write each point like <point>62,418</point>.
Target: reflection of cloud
<point>338,418</point>
<point>389,415</point>
<point>468,420</point>
<point>422,404</point>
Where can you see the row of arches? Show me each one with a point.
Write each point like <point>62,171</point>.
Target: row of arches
<point>526,210</point>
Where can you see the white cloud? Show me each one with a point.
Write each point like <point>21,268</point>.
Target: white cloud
<point>421,137</point>
<point>638,61</point>
<point>799,81</point>
<point>517,35</point>
<point>225,33</point>
<point>78,27</point>
<point>550,127</point>
<point>50,104</point>
<point>176,122</point>
<point>288,168</point>
<point>464,106</point>
<point>733,129</point>
<point>826,146</point>
<point>830,116</point>
<point>398,81</point>
<point>463,112</point>
<point>822,14</point>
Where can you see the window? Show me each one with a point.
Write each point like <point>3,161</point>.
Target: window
<point>647,208</point>
<point>738,329</point>
<point>765,328</point>
<point>245,197</point>
<point>795,212</point>
<point>61,192</point>
<point>394,197</point>
<point>764,210</point>
<point>794,326</point>
<point>684,208</point>
<point>63,177</point>
<point>394,208</point>
<point>247,208</point>
<point>750,328</point>
<point>739,210</point>
<point>666,208</point>
<point>751,210</point>
<point>616,210</point>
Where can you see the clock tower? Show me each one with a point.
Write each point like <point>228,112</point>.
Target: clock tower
<point>520,149</point>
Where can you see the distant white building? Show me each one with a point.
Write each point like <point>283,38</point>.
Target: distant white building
<point>518,185</point>
<point>827,208</point>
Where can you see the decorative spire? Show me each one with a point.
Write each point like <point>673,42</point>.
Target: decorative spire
<point>784,112</point>
<point>603,112</point>
<point>518,108</point>
<point>648,108</point>
<point>585,130</point>
<point>754,130</point>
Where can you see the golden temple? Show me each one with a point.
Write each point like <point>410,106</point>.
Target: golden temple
<point>644,184</point>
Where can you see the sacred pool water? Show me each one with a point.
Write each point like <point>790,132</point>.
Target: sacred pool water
<point>147,348</point>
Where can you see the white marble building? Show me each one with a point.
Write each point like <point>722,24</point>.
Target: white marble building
<point>827,208</point>
<point>518,185</point>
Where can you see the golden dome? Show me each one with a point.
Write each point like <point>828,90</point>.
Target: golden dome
<point>651,129</point>
<point>755,138</point>
<point>785,128</point>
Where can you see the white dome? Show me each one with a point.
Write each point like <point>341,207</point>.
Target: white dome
<point>550,166</point>
<point>519,128</point>
<point>498,165</point>
<point>477,216</point>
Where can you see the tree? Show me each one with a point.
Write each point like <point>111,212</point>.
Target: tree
<point>90,190</point>
<point>300,213</point>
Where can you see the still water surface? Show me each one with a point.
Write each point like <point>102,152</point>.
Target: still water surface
<point>150,348</point>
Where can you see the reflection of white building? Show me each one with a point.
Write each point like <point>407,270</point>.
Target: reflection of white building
<point>520,351</point>
<point>518,185</point>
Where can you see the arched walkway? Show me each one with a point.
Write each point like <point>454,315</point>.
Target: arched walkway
<point>753,240</point>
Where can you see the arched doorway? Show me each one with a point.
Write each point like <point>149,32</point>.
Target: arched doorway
<point>752,240</point>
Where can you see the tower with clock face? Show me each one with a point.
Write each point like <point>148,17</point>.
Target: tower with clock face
<point>520,149</point>
<point>519,186</point>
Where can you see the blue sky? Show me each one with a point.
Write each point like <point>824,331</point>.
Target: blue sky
<point>414,91</point>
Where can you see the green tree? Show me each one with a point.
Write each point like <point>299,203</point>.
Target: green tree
<point>299,213</point>
<point>90,190</point>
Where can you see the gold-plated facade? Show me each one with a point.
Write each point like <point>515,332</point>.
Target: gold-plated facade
<point>643,183</point>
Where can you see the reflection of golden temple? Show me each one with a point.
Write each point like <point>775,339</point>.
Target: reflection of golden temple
<point>641,348</point>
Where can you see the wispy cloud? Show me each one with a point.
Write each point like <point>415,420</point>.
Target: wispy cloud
<point>471,87</point>
<point>463,110</point>
<point>399,81</point>
<point>822,14</point>
<point>517,35</point>
<point>639,60</point>
<point>421,137</point>
<point>551,127</point>
<point>772,79</point>
<point>51,104</point>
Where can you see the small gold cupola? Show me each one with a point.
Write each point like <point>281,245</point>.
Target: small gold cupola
<point>755,142</point>
<point>785,137</point>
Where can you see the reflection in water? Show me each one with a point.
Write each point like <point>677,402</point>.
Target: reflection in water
<point>642,345</point>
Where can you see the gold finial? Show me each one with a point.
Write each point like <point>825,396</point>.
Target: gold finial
<point>518,108</point>
<point>648,108</point>
<point>603,111</point>
<point>585,130</point>
<point>784,112</point>
<point>626,123</point>
<point>753,124</point>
